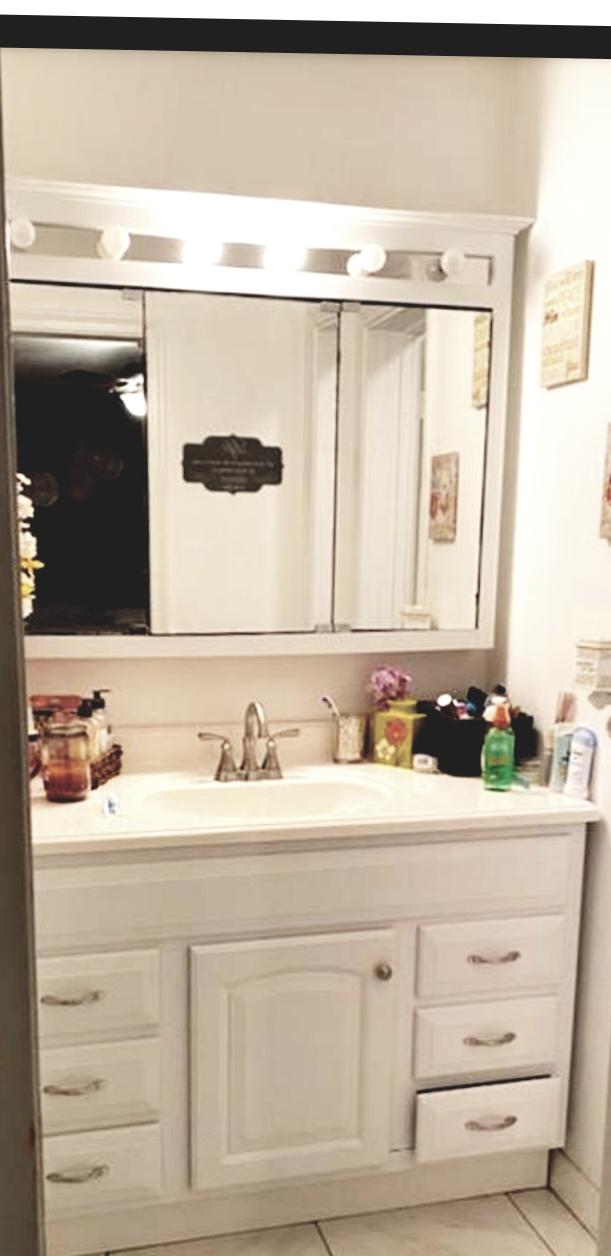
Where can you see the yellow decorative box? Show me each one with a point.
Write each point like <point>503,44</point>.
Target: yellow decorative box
<point>393,732</point>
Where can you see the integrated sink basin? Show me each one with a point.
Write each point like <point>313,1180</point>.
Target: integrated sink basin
<point>311,795</point>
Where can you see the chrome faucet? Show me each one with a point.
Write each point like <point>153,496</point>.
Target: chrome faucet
<point>255,730</point>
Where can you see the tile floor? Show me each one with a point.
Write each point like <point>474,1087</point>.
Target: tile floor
<point>527,1223</point>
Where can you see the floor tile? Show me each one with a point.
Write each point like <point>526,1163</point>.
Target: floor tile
<point>548,1216</point>
<point>293,1240</point>
<point>467,1227</point>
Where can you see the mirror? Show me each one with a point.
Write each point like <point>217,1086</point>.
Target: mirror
<point>378,416</point>
<point>314,466</point>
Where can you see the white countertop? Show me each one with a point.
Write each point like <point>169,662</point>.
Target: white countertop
<point>169,810</point>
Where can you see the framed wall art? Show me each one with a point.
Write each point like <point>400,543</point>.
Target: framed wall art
<point>443,507</point>
<point>565,339</point>
<point>605,513</point>
<point>482,326</point>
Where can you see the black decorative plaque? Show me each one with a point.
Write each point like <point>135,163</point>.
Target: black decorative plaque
<point>232,464</point>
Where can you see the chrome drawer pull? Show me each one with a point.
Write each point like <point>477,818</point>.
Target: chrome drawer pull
<point>510,957</point>
<point>77,1000</point>
<point>500,1040</point>
<point>75,1091</point>
<point>79,1177</point>
<point>494,1123</point>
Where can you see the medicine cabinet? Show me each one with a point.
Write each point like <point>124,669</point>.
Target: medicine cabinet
<point>324,444</point>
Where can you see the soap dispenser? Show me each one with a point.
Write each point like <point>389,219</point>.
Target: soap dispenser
<point>100,715</point>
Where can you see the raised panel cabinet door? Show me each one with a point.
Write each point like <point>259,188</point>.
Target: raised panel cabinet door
<point>292,1055</point>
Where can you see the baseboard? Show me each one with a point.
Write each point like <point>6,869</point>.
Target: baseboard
<point>206,1215</point>
<point>575,1190</point>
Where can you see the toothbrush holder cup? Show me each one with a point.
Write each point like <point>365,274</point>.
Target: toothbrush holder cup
<point>349,732</point>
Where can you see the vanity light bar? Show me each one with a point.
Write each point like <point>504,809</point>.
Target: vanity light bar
<point>202,251</point>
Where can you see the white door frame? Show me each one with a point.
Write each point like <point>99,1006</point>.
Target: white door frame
<point>21,1211</point>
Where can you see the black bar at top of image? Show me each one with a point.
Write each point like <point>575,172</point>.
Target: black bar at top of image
<point>441,39</point>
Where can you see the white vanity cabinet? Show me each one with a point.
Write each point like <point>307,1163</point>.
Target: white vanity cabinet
<point>239,1034</point>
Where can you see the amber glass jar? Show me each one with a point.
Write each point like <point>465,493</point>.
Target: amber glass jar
<point>65,761</point>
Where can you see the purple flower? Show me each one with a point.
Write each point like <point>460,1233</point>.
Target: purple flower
<point>386,683</point>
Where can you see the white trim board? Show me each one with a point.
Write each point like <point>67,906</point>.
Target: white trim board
<point>576,1191</point>
<point>404,1185</point>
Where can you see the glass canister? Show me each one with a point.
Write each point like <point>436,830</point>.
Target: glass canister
<point>65,761</point>
<point>393,732</point>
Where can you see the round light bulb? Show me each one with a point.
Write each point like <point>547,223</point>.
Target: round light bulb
<point>22,233</point>
<point>355,267</point>
<point>373,258</point>
<point>113,243</point>
<point>201,251</point>
<point>285,255</point>
<point>452,262</point>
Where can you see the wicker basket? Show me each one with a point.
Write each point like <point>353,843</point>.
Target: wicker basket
<point>106,766</point>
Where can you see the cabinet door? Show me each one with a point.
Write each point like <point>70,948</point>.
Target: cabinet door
<point>292,1055</point>
<point>248,548</point>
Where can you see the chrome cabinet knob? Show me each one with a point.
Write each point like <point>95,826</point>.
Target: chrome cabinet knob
<point>383,971</point>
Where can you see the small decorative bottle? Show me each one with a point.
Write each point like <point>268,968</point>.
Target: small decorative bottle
<point>498,751</point>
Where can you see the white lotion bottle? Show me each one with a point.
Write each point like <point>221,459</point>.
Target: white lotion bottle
<point>581,758</point>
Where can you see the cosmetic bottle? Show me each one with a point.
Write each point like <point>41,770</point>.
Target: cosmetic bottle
<point>100,715</point>
<point>581,758</point>
<point>498,751</point>
<point>86,716</point>
<point>561,750</point>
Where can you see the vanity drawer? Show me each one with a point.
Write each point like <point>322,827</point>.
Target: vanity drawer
<point>475,1120</point>
<point>116,1083</point>
<point>480,1037</point>
<point>81,996</point>
<point>77,906</point>
<point>83,1171</point>
<point>490,956</point>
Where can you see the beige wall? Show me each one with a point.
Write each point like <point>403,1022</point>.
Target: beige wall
<point>407,132</point>
<point>561,569</point>
<point>404,132</point>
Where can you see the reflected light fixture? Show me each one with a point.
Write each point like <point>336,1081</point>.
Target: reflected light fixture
<point>285,255</point>
<point>22,233</point>
<point>354,266</point>
<point>131,392</point>
<point>201,251</point>
<point>113,243</point>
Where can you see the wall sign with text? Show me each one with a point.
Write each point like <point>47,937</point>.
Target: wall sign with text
<point>566,326</point>
<point>232,464</point>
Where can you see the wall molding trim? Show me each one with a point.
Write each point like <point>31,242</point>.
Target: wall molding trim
<point>577,1192</point>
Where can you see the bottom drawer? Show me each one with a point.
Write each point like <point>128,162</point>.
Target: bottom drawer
<point>473,1120</point>
<point>82,1171</point>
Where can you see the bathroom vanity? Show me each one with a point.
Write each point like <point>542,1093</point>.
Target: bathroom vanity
<point>264,1002</point>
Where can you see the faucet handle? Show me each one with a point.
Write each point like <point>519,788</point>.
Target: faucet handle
<point>226,768</point>
<point>271,764</point>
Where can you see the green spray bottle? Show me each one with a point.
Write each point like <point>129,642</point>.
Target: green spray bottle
<point>498,751</point>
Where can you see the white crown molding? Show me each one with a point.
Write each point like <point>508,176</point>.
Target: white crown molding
<point>172,213</point>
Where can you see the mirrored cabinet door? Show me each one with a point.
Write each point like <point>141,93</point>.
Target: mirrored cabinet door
<point>411,451</point>
<point>242,394</point>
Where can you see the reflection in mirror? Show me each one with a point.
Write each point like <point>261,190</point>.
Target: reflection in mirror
<point>240,551</point>
<point>412,421</point>
<point>80,410</point>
